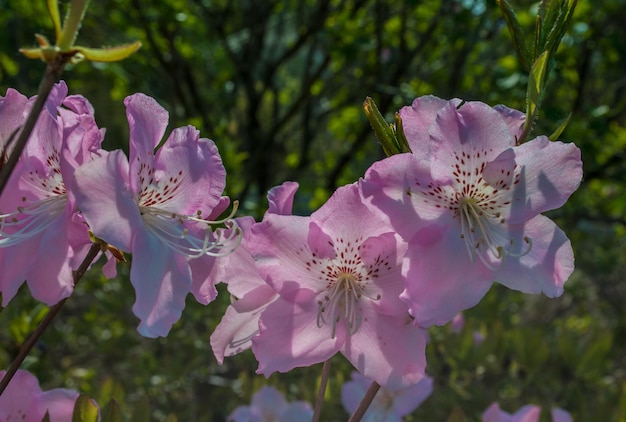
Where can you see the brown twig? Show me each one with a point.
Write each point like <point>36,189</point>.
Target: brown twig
<point>365,403</point>
<point>322,391</point>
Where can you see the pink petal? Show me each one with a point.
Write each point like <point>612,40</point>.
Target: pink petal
<point>50,279</point>
<point>302,343</point>
<point>240,323</point>
<point>12,116</point>
<point>514,119</point>
<point>389,190</point>
<point>410,398</point>
<point>551,172</point>
<point>474,126</point>
<point>161,279</point>
<point>101,190</point>
<point>418,118</point>
<point>320,243</point>
<point>278,245</point>
<point>147,121</point>
<point>560,415</point>
<point>268,402</point>
<point>59,403</point>
<point>548,264</point>
<point>193,169</point>
<point>281,198</point>
<point>387,349</point>
<point>440,278</point>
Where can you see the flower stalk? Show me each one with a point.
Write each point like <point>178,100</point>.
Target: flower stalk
<point>365,403</point>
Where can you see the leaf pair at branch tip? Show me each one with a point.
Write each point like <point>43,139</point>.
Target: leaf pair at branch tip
<point>390,136</point>
<point>553,18</point>
<point>65,35</point>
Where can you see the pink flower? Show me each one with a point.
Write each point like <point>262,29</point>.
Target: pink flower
<point>457,323</point>
<point>388,405</point>
<point>159,207</point>
<point>24,401</point>
<point>469,201</point>
<point>42,235</point>
<point>338,277</point>
<point>250,292</point>
<point>528,413</point>
<point>269,405</point>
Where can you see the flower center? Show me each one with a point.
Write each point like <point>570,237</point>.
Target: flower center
<point>341,300</point>
<point>347,281</point>
<point>479,205</point>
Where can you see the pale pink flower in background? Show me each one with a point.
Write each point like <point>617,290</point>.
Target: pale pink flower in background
<point>250,293</point>
<point>388,405</point>
<point>468,199</point>
<point>338,277</point>
<point>269,405</point>
<point>528,413</point>
<point>43,238</point>
<point>457,323</point>
<point>159,206</point>
<point>24,401</point>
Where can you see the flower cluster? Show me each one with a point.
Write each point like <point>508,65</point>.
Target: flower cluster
<point>419,239</point>
<point>161,207</point>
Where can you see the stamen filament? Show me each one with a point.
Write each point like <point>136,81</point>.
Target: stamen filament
<point>30,220</point>
<point>171,229</point>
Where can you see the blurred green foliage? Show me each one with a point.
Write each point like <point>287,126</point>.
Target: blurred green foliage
<point>279,85</point>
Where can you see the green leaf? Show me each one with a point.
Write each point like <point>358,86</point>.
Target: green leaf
<point>53,9</point>
<point>403,143</point>
<point>516,32</point>
<point>111,412</point>
<point>171,418</point>
<point>560,25</point>
<point>382,129</point>
<point>559,130</point>
<point>85,410</point>
<point>109,54</point>
<point>534,94</point>
<point>46,417</point>
<point>391,137</point>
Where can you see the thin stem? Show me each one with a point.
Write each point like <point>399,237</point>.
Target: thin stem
<point>322,391</point>
<point>34,337</point>
<point>365,403</point>
<point>53,72</point>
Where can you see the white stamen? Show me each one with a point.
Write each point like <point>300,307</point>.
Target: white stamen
<point>478,230</point>
<point>30,220</point>
<point>174,230</point>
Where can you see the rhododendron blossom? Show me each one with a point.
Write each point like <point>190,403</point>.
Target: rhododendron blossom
<point>269,405</point>
<point>250,293</point>
<point>468,199</point>
<point>159,206</point>
<point>24,401</point>
<point>388,405</point>
<point>42,236</point>
<point>337,273</point>
<point>528,413</point>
